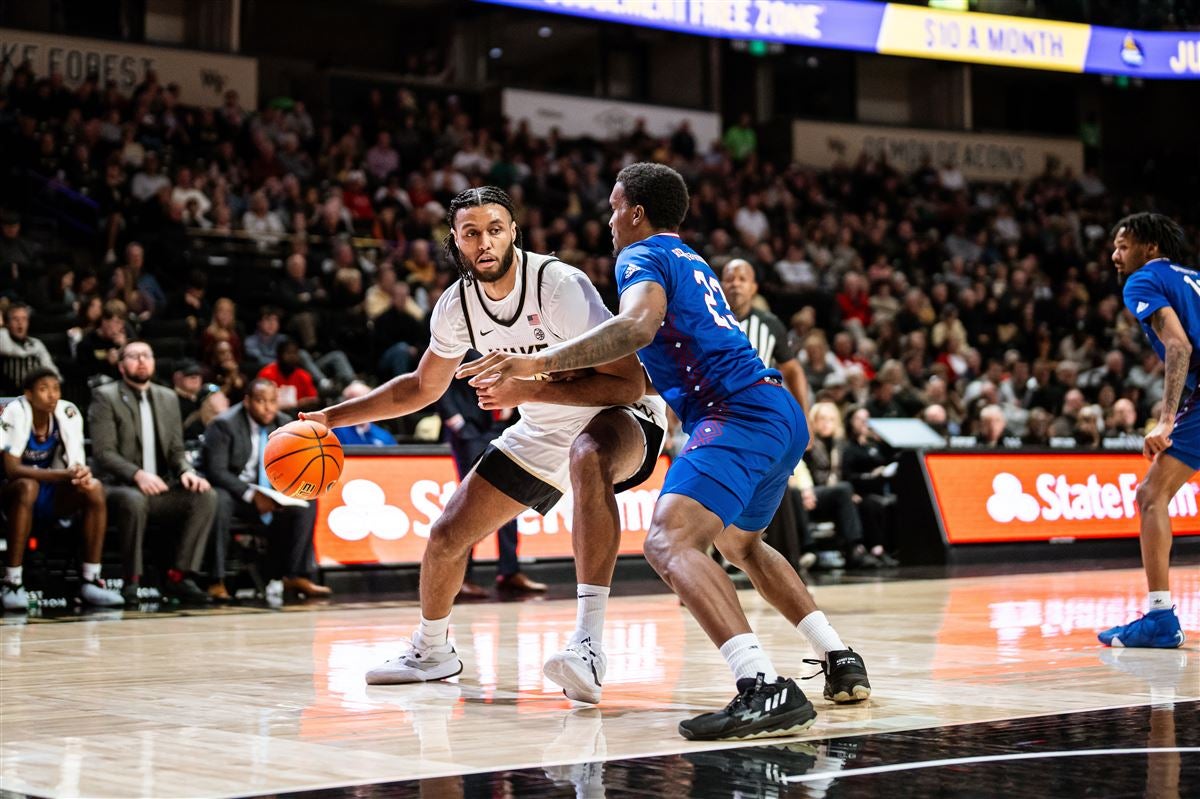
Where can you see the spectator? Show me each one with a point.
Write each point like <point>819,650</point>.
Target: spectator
<point>935,417</point>
<point>993,428</point>
<point>262,344</point>
<point>20,353</point>
<point>145,283</point>
<point>382,159</point>
<point>1065,423</point>
<point>233,460</point>
<point>148,182</point>
<point>868,462</point>
<point>367,434</point>
<point>399,336</point>
<point>199,402</point>
<point>223,327</point>
<point>20,259</point>
<point>301,297</point>
<point>137,438</point>
<point>830,497</point>
<point>1122,425</point>
<point>41,437</point>
<point>297,392</point>
<point>99,352</point>
<point>223,369</point>
<point>740,140</point>
<point>259,221</point>
<point>1089,427</point>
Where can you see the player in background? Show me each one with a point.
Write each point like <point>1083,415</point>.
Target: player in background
<point>599,432</point>
<point>746,435</point>
<point>1165,298</point>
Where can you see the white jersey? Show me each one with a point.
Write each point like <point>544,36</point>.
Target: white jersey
<point>550,302</point>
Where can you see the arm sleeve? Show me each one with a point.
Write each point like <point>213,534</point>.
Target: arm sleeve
<point>448,334</point>
<point>1144,295</point>
<point>574,307</point>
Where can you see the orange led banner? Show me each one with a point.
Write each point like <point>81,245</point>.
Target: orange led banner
<point>383,507</point>
<point>1014,496</point>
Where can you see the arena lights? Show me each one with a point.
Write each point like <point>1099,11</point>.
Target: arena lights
<point>912,31</point>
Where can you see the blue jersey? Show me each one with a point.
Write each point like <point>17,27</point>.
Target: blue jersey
<point>41,454</point>
<point>1161,284</point>
<point>700,356</point>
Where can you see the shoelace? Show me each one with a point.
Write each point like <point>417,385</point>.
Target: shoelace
<point>822,663</point>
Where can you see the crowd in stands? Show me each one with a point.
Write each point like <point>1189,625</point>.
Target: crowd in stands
<point>265,243</point>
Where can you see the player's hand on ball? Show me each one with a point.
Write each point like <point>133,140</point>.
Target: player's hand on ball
<point>1157,440</point>
<point>499,367</point>
<point>311,416</point>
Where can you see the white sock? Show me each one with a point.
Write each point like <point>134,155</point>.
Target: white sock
<point>91,572</point>
<point>591,602</point>
<point>746,658</point>
<point>820,634</point>
<point>12,574</point>
<point>433,631</point>
<point>1157,600</point>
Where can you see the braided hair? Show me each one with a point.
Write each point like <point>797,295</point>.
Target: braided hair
<point>1148,228</point>
<point>473,198</point>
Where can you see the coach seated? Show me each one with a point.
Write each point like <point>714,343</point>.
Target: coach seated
<point>48,481</point>
<point>234,446</point>
<point>137,440</point>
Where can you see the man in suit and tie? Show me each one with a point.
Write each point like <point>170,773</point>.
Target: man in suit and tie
<point>233,460</point>
<point>137,438</point>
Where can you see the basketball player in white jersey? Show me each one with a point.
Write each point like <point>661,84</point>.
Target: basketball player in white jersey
<point>598,432</point>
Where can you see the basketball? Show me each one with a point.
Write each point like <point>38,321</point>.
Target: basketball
<point>303,460</point>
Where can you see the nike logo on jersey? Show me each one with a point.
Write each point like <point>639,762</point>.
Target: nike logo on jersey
<point>485,332</point>
<point>1142,306</point>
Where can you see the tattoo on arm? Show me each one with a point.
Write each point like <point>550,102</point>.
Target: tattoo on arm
<point>1177,362</point>
<point>607,342</point>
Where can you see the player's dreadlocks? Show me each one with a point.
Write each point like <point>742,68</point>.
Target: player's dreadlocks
<point>472,198</point>
<point>1148,228</point>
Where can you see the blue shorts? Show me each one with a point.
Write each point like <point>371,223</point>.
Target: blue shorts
<point>1185,436</point>
<point>43,506</point>
<point>740,456</point>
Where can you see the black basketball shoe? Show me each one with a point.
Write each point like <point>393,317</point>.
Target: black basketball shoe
<point>760,710</point>
<point>845,676</point>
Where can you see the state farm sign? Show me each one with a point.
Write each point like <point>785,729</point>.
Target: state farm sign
<point>384,507</point>
<point>1027,497</point>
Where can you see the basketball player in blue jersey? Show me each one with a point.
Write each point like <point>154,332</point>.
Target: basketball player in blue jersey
<point>1165,298</point>
<point>746,435</point>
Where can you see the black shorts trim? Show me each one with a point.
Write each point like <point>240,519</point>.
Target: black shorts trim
<point>515,481</point>
<point>654,442</point>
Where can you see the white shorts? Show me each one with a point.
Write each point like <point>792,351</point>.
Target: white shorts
<point>545,455</point>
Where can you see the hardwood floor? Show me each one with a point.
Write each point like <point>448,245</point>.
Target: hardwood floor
<point>259,703</point>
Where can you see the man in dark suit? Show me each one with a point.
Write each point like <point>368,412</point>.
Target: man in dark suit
<point>233,460</point>
<point>469,430</point>
<point>137,437</point>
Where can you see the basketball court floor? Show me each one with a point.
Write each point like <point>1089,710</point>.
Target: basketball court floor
<point>984,686</point>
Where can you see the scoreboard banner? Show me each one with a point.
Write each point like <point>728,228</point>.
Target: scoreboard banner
<point>1002,497</point>
<point>894,29</point>
<point>383,507</point>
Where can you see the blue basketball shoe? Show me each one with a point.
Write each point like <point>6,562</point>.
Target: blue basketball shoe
<point>1158,629</point>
